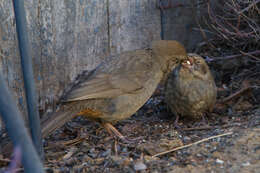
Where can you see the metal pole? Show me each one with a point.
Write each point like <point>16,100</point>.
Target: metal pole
<point>29,85</point>
<point>17,131</point>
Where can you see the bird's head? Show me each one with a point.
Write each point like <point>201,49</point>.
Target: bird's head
<point>196,65</point>
<point>169,53</point>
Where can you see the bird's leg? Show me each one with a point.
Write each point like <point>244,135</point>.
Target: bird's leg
<point>114,132</point>
<point>205,121</point>
<point>176,122</point>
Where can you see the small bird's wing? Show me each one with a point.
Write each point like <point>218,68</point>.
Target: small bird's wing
<point>114,77</point>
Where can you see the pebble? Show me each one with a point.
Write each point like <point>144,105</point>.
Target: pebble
<point>106,153</point>
<point>246,164</point>
<point>219,161</point>
<point>139,166</point>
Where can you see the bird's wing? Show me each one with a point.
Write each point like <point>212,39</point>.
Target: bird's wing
<point>122,77</point>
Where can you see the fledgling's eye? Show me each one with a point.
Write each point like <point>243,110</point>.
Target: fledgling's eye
<point>198,62</point>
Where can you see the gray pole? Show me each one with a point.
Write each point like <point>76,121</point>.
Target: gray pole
<point>17,131</point>
<point>29,84</point>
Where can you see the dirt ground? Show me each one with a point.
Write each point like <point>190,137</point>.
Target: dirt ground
<point>84,146</point>
<point>95,151</point>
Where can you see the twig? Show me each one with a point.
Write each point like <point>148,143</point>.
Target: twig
<point>65,143</point>
<point>246,54</point>
<point>195,143</point>
<point>247,8</point>
<point>205,36</point>
<point>224,26</point>
<point>74,141</point>
<point>236,94</point>
<point>5,160</point>
<point>208,127</point>
<point>235,56</point>
<point>70,153</point>
<point>199,128</point>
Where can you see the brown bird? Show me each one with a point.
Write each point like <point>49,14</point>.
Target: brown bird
<point>190,89</point>
<point>118,87</point>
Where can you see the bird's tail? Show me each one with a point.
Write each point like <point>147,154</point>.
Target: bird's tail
<point>51,123</point>
<point>56,120</point>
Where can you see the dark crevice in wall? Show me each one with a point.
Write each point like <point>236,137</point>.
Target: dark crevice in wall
<point>108,28</point>
<point>162,23</point>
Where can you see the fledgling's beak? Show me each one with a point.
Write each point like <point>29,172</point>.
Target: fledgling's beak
<point>188,64</point>
<point>191,61</point>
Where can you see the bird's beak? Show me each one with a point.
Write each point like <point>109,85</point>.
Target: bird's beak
<point>188,64</point>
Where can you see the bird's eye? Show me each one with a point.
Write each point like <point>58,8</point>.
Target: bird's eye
<point>197,62</point>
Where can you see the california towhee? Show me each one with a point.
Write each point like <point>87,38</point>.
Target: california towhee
<point>190,89</point>
<point>118,87</point>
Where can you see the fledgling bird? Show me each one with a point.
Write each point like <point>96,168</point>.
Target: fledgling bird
<point>190,89</point>
<point>118,87</point>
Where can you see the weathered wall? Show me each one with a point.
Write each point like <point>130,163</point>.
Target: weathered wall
<point>133,24</point>
<point>180,21</point>
<point>69,36</point>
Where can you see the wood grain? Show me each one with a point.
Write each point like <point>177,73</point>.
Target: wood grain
<point>69,36</point>
<point>133,24</point>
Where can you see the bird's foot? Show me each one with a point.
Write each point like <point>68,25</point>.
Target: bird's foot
<point>114,132</point>
<point>132,140</point>
<point>176,122</point>
<point>204,122</point>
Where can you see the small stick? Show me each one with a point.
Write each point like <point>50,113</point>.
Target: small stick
<point>235,56</point>
<point>247,8</point>
<point>246,54</point>
<point>199,128</point>
<point>74,141</point>
<point>213,127</point>
<point>65,143</point>
<point>5,160</point>
<point>195,143</point>
<point>115,147</point>
<point>206,127</point>
<point>236,94</point>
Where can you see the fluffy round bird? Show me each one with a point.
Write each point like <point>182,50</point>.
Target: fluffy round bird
<point>118,87</point>
<point>190,89</point>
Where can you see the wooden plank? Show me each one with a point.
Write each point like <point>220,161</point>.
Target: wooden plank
<point>72,39</point>
<point>66,36</point>
<point>133,24</point>
<point>69,36</point>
